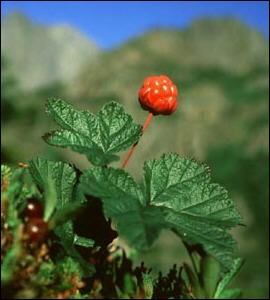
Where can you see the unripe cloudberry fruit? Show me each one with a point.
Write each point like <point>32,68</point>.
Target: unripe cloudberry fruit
<point>36,230</point>
<point>33,209</point>
<point>158,95</point>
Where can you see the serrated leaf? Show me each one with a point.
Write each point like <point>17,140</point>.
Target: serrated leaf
<point>110,184</point>
<point>166,177</point>
<point>237,265</point>
<point>99,136</point>
<point>177,194</point>
<point>196,209</point>
<point>184,186</point>
<point>215,240</point>
<point>62,176</point>
<point>123,201</point>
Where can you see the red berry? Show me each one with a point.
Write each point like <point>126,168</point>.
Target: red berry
<point>158,95</point>
<point>34,209</point>
<point>36,229</point>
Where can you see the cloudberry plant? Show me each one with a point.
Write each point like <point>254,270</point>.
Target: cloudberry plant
<point>80,238</point>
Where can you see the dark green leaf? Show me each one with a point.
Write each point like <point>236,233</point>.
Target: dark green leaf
<point>168,178</point>
<point>123,201</point>
<point>197,210</point>
<point>215,240</point>
<point>99,136</point>
<point>69,199</point>
<point>184,186</point>
<point>62,176</point>
<point>177,194</point>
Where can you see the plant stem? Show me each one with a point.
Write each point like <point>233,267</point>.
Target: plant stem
<point>131,150</point>
<point>189,251</point>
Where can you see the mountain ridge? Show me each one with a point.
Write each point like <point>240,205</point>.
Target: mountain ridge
<point>40,55</point>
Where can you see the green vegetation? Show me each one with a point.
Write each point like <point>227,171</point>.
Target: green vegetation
<point>222,119</point>
<point>42,200</point>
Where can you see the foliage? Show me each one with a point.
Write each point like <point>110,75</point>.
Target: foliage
<point>68,262</point>
<point>98,137</point>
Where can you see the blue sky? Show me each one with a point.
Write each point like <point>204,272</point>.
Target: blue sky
<point>110,23</point>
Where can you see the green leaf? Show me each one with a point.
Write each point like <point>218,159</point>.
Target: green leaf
<point>110,184</point>
<point>184,186</point>
<point>69,199</point>
<point>66,213</point>
<point>67,238</point>
<point>237,265</point>
<point>82,241</point>
<point>177,194</point>
<point>123,201</point>
<point>50,199</point>
<point>230,294</point>
<point>167,177</point>
<point>99,136</point>
<point>194,208</point>
<point>61,175</point>
<point>215,240</point>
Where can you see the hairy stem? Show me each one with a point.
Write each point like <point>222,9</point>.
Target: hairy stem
<point>131,150</point>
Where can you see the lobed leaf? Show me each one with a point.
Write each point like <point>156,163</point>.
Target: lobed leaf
<point>177,194</point>
<point>196,209</point>
<point>99,136</point>
<point>61,177</point>
<point>123,201</point>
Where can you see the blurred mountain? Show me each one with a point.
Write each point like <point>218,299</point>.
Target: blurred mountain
<point>224,44</point>
<point>42,55</point>
<point>221,69</point>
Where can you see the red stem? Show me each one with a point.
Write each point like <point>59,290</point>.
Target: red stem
<point>131,150</point>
